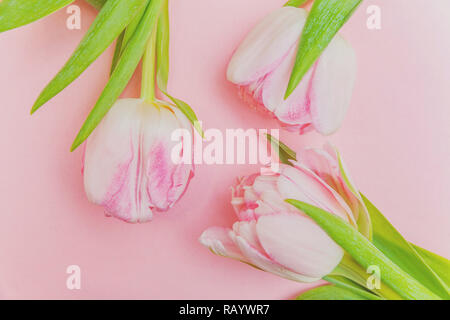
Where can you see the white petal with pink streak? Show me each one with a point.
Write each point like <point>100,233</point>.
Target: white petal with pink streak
<point>266,45</point>
<point>299,244</point>
<point>332,86</point>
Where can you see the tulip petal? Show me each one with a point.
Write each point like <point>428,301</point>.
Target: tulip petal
<point>128,165</point>
<point>260,261</point>
<point>266,45</point>
<point>302,184</point>
<point>165,180</point>
<point>219,242</point>
<point>329,166</point>
<point>324,163</point>
<point>295,109</point>
<point>269,199</point>
<point>247,230</point>
<point>111,162</point>
<point>299,243</point>
<point>332,86</point>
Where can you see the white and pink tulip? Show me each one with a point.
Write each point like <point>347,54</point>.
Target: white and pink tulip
<point>127,165</point>
<point>276,237</point>
<point>262,65</point>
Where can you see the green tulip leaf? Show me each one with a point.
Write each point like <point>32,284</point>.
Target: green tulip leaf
<point>349,285</point>
<point>125,38</point>
<point>331,292</point>
<point>111,20</point>
<point>439,264</point>
<point>17,13</point>
<point>387,239</point>
<point>295,3</point>
<point>124,70</point>
<point>324,21</point>
<point>188,112</point>
<point>352,270</point>
<point>97,4</point>
<point>365,253</point>
<point>285,153</point>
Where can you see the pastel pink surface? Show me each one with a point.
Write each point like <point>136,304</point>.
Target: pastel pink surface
<point>395,141</point>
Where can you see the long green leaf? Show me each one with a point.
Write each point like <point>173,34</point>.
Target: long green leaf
<point>324,21</point>
<point>124,70</point>
<point>162,48</point>
<point>331,292</point>
<point>347,284</point>
<point>97,4</point>
<point>388,240</point>
<point>125,37</point>
<point>365,253</point>
<point>439,264</point>
<point>17,13</point>
<point>111,20</point>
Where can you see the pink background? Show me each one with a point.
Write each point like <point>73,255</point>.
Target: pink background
<point>395,141</point>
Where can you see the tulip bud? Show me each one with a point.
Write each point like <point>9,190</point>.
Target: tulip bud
<point>262,65</point>
<point>276,237</point>
<point>127,164</point>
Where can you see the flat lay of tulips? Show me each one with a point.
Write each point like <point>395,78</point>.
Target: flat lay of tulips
<point>307,221</point>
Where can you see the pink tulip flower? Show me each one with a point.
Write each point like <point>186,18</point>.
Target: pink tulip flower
<point>274,236</point>
<point>262,65</point>
<point>128,167</point>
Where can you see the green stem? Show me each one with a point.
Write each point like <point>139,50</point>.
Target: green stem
<point>148,70</point>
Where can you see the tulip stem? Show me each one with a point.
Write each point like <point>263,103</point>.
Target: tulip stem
<point>148,70</point>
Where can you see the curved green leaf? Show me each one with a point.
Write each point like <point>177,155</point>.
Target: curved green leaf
<point>388,240</point>
<point>324,21</point>
<point>365,253</point>
<point>125,68</point>
<point>331,292</point>
<point>17,13</point>
<point>111,20</point>
<point>439,264</point>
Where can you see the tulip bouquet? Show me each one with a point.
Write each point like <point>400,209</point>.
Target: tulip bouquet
<point>305,222</point>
